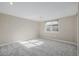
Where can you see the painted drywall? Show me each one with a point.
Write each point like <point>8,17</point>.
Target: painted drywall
<point>78,32</point>
<point>13,28</point>
<point>67,30</point>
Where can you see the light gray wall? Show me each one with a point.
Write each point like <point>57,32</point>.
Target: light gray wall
<point>78,32</point>
<point>67,30</point>
<point>13,28</point>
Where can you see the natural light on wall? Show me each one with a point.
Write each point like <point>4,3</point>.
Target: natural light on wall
<point>31,43</point>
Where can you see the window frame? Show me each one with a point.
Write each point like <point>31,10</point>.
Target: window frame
<point>45,27</point>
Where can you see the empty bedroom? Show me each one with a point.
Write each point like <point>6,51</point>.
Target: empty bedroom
<point>38,28</point>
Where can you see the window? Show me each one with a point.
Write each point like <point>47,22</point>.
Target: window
<point>52,26</point>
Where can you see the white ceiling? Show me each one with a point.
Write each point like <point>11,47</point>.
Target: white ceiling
<point>39,11</point>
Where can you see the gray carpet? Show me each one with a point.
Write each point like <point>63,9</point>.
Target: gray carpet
<point>38,47</point>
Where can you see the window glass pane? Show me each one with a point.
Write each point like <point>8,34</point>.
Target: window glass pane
<point>48,28</point>
<point>52,26</point>
<point>55,28</point>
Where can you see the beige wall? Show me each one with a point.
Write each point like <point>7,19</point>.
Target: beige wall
<point>13,28</point>
<point>78,31</point>
<point>67,30</point>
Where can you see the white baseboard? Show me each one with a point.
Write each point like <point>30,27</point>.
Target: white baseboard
<point>67,42</point>
<point>6,43</point>
<point>63,41</point>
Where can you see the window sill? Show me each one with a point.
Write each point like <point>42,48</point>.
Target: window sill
<point>51,31</point>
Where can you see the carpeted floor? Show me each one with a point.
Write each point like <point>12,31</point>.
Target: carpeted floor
<point>38,47</point>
